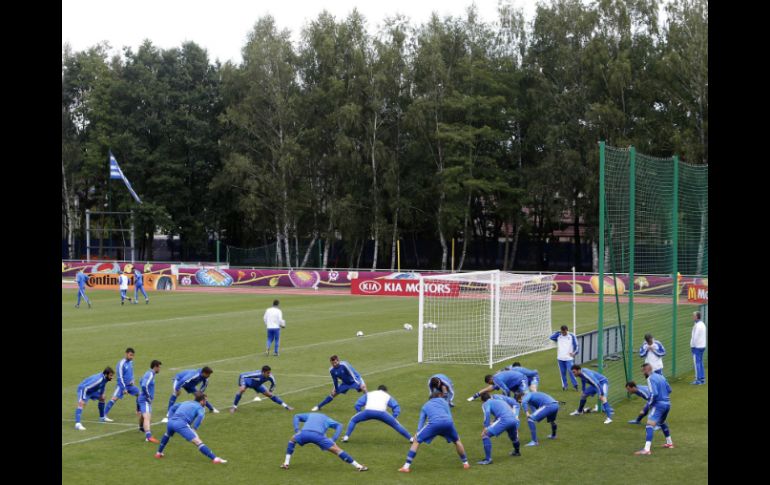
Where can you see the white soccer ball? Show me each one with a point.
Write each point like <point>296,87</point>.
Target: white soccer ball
<point>407,326</point>
<point>433,326</point>
<point>359,334</point>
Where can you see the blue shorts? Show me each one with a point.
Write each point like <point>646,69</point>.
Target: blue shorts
<point>321,440</point>
<point>94,396</point>
<point>441,428</point>
<point>548,411</point>
<point>189,388</point>
<point>499,426</point>
<point>181,427</point>
<point>119,391</point>
<point>252,384</point>
<point>343,388</point>
<point>592,391</point>
<point>659,412</point>
<point>145,407</point>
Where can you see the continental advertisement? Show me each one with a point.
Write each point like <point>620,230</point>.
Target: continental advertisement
<point>109,281</point>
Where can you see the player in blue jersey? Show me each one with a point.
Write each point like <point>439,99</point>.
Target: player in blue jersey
<point>539,406</point>
<point>506,413</point>
<point>124,382</point>
<point>644,393</point>
<point>186,418</point>
<point>92,388</point>
<point>146,395</point>
<point>533,377</point>
<point>139,286</point>
<point>597,384</point>
<point>508,381</point>
<point>187,380</point>
<point>375,404</point>
<point>343,371</point>
<point>440,382</point>
<point>82,280</point>
<point>255,380</point>
<point>438,416</point>
<point>314,431</point>
<point>660,405</point>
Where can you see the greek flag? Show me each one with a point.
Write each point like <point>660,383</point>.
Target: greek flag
<point>117,173</point>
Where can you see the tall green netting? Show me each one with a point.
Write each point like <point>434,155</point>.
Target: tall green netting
<point>650,210</point>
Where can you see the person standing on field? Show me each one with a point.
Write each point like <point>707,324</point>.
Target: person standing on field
<point>274,322</point>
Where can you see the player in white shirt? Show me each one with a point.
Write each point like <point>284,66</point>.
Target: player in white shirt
<point>653,351</point>
<point>375,404</point>
<point>274,322</point>
<point>698,346</point>
<point>567,348</point>
<point>123,285</point>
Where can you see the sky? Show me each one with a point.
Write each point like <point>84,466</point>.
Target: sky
<point>221,26</point>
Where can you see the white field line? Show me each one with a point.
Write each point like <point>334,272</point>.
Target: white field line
<point>298,347</point>
<point>101,422</point>
<point>282,394</point>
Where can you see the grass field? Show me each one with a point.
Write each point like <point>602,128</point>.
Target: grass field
<point>225,331</point>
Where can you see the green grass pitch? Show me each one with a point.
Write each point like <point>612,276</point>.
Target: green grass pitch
<point>225,331</point>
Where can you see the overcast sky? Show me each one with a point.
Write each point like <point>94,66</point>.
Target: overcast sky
<point>221,26</point>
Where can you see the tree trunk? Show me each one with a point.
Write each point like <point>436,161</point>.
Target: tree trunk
<point>309,249</point>
<point>394,242</point>
<point>505,251</point>
<point>69,219</point>
<point>515,247</point>
<point>278,250</point>
<point>360,252</point>
<point>329,242</point>
<point>465,233</point>
<point>375,194</point>
<point>576,220</point>
<point>376,239</point>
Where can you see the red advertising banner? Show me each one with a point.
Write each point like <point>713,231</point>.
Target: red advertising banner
<point>698,293</point>
<point>402,288</point>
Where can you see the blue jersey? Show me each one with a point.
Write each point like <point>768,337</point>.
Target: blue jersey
<point>94,384</point>
<point>138,278</point>
<point>190,378</point>
<point>258,379</point>
<point>500,409</point>
<point>125,372</point>
<point>318,423</point>
<point>147,385</point>
<point>434,411</point>
<point>537,400</point>
<point>509,381</point>
<point>593,378</point>
<point>346,373</point>
<point>81,279</point>
<point>392,404</point>
<point>528,373</point>
<point>190,412</point>
<point>659,388</point>
<point>643,392</point>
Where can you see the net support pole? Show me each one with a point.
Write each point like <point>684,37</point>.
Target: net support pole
<point>496,292</point>
<point>674,262</point>
<point>574,303</point>
<point>88,235</point>
<point>420,320</point>
<point>491,318</point>
<point>631,258</point>
<point>602,215</point>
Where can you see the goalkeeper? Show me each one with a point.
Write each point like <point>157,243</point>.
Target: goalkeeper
<point>274,322</point>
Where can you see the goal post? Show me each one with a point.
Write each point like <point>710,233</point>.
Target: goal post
<point>483,317</point>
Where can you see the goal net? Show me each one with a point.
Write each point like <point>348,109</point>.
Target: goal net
<point>483,317</point>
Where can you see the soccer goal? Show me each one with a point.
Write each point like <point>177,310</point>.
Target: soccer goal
<point>483,317</point>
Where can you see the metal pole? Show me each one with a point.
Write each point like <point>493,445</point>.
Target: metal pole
<point>574,304</point>
<point>601,255</point>
<point>217,249</point>
<point>675,265</point>
<point>453,255</point>
<point>420,320</point>
<point>132,237</point>
<point>88,235</point>
<point>491,317</point>
<point>631,256</point>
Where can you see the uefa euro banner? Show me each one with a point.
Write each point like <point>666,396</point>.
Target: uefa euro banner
<point>402,287</point>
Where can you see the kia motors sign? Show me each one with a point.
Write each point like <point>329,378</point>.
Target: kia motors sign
<point>402,288</point>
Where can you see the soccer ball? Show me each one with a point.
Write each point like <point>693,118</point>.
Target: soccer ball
<point>407,326</point>
<point>359,334</point>
<point>430,325</point>
<point>433,326</point>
